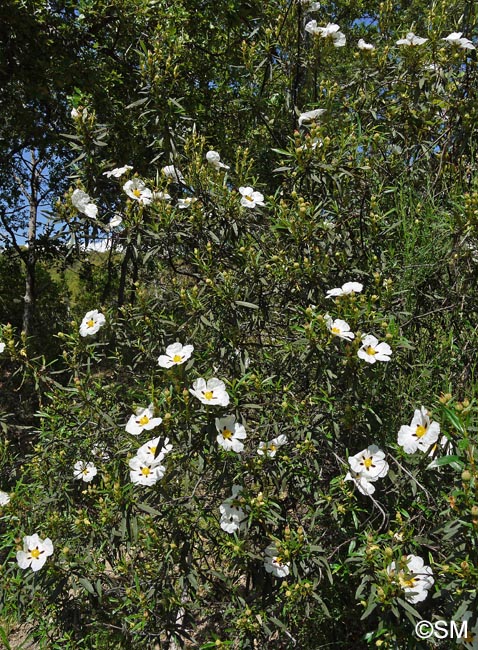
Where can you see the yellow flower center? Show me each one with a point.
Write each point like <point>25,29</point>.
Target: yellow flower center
<point>226,433</point>
<point>143,420</point>
<point>153,450</point>
<point>368,462</point>
<point>335,330</point>
<point>90,323</point>
<point>137,193</point>
<point>208,394</point>
<point>35,553</point>
<point>404,582</point>
<point>249,198</point>
<point>177,358</point>
<point>272,447</point>
<point>145,471</point>
<point>370,350</point>
<point>421,431</point>
<point>85,471</point>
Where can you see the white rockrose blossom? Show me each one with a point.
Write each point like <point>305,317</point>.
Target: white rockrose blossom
<point>4,498</point>
<point>230,434</point>
<point>214,159</point>
<point>35,552</point>
<point>117,172</point>
<point>345,289</point>
<point>137,190</point>
<point>331,30</point>
<point>412,40</point>
<point>270,448</point>
<point>75,114</point>
<point>171,171</point>
<point>161,196</point>
<point>310,116</point>
<point>2,346</point>
<point>455,38</point>
<point>369,463</point>
<point>339,328</point>
<point>413,576</point>
<point>362,484</point>
<point>233,518</point>
<point>155,450</point>
<point>372,351</point>
<point>144,420</point>
<point>274,563</point>
<point>92,322</point>
<point>250,198</point>
<point>176,354</point>
<point>212,392</point>
<point>144,473</point>
<point>362,45</point>
<point>115,221</point>
<point>82,202</point>
<point>186,203</point>
<point>84,471</point>
<point>420,434</point>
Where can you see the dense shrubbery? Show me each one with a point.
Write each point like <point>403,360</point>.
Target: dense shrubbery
<point>328,542</point>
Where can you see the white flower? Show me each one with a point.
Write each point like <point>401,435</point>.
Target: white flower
<point>274,563</point>
<point>150,453</point>
<point>176,353</point>
<point>137,190</point>
<point>310,116</point>
<point>421,434</point>
<point>230,434</point>
<point>331,30</point>
<point>339,328</point>
<point>414,577</point>
<point>118,172</point>
<point>233,518</point>
<point>250,198</point>
<point>4,498</point>
<point>92,322</point>
<point>211,392</point>
<point>186,203</point>
<point>74,113</point>
<point>314,6</point>
<point>270,448</point>
<point>411,40</point>
<point>2,346</point>
<point>144,473</point>
<point>455,38</point>
<point>161,196</point>
<point>443,444</point>
<point>362,45</point>
<point>214,159</point>
<point>345,289</point>
<point>144,420</point>
<point>372,351</point>
<point>84,471</point>
<point>361,483</point>
<point>115,221</point>
<point>369,463</point>
<point>35,552</point>
<point>170,171</point>
<point>82,202</point>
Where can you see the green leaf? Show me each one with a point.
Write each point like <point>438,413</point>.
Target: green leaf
<point>250,305</point>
